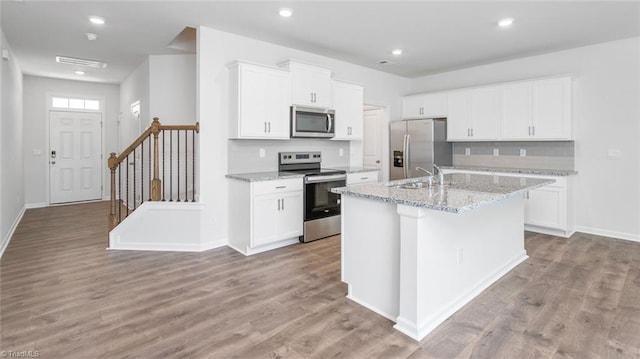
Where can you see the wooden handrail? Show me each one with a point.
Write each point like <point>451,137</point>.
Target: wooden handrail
<point>156,186</point>
<point>155,128</point>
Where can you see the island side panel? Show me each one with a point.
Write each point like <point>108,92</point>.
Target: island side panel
<point>370,254</point>
<point>448,259</point>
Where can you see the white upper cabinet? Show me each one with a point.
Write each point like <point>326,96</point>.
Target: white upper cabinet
<point>473,115</point>
<point>260,98</point>
<point>516,111</point>
<point>348,102</point>
<point>425,106</point>
<point>551,115</point>
<point>537,110</point>
<point>310,85</point>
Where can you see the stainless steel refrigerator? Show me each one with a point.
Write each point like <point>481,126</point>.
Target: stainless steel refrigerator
<point>418,143</point>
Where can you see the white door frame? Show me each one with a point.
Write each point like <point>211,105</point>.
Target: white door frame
<point>48,108</point>
<point>384,140</point>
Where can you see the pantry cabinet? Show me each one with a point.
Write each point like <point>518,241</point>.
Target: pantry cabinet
<point>348,102</point>
<point>310,85</point>
<point>259,97</point>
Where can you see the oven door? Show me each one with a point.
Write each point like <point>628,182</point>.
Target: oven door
<point>319,201</point>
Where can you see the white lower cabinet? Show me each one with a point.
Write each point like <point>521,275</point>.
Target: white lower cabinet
<point>362,177</point>
<point>548,209</point>
<point>265,214</point>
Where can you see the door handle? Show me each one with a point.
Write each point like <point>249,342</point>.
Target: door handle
<point>269,124</point>
<point>283,204</point>
<point>278,204</point>
<point>265,127</point>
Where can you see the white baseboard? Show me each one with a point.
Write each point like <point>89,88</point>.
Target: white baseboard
<point>606,233</point>
<point>247,251</point>
<point>549,231</point>
<point>7,238</point>
<point>36,205</point>
<point>372,307</point>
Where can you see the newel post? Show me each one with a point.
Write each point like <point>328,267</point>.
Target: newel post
<point>113,164</point>
<point>156,184</point>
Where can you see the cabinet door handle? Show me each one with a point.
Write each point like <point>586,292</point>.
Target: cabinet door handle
<point>364,178</point>
<point>278,204</point>
<point>282,204</point>
<point>269,125</point>
<point>472,132</point>
<point>311,97</point>
<point>533,130</point>
<point>281,187</point>
<point>529,130</point>
<point>265,127</point>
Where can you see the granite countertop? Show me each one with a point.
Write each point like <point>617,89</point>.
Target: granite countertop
<point>263,176</point>
<point>463,192</point>
<point>354,169</point>
<point>530,171</point>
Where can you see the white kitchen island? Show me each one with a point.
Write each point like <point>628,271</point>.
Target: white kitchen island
<point>416,256</point>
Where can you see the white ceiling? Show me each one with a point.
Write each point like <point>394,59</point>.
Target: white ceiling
<point>436,36</point>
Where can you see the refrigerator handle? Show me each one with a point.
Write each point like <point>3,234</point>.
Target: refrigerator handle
<point>407,156</point>
<point>404,156</point>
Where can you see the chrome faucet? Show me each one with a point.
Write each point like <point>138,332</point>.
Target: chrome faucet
<point>423,170</point>
<point>439,172</point>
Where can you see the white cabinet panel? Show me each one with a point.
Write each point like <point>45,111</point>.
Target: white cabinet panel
<point>265,214</point>
<point>290,217</point>
<point>551,109</point>
<point>459,120</point>
<point>516,111</point>
<point>484,113</point>
<point>348,102</point>
<point>310,85</point>
<point>260,99</point>
<point>425,106</point>
<point>473,115</point>
<point>545,207</point>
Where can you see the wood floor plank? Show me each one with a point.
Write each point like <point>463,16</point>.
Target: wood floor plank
<point>63,294</point>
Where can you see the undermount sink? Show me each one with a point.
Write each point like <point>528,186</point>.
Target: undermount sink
<point>418,185</point>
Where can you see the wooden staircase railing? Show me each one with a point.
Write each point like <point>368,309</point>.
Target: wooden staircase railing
<point>159,148</point>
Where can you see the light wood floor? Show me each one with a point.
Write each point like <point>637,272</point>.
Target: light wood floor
<point>63,295</point>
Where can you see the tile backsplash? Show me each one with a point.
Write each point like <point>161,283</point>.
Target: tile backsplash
<point>244,155</point>
<point>556,155</point>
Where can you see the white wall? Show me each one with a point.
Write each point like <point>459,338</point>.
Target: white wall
<point>35,125</point>
<point>134,88</point>
<point>606,113</point>
<point>216,49</point>
<point>11,128</point>
<point>172,88</point>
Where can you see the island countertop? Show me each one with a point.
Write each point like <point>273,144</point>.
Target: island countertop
<point>462,191</point>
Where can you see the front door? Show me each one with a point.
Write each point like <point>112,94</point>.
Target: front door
<point>75,163</point>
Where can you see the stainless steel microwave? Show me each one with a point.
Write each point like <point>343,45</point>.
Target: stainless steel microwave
<point>312,122</point>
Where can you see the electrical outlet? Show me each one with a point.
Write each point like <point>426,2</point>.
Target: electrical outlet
<point>496,152</point>
<point>262,153</point>
<point>523,152</point>
<point>467,151</point>
<point>341,152</point>
<point>37,152</point>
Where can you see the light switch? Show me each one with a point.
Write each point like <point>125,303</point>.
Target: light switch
<point>496,152</point>
<point>262,153</point>
<point>523,152</point>
<point>614,153</point>
<point>341,152</point>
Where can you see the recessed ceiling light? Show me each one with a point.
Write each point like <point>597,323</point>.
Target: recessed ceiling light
<point>96,20</point>
<point>506,22</point>
<point>79,72</point>
<point>397,52</point>
<point>286,12</point>
<point>91,36</point>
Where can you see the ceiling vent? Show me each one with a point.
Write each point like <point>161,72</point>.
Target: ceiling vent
<point>80,62</point>
<point>384,62</point>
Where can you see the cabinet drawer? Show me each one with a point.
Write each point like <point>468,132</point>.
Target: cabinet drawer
<point>362,177</point>
<point>277,186</point>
